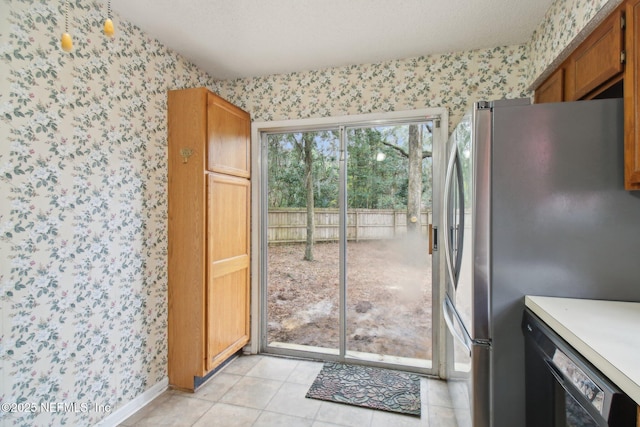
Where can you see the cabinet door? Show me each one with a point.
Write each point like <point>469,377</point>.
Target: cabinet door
<point>632,98</point>
<point>598,59</point>
<point>228,245</point>
<point>229,131</point>
<point>552,90</point>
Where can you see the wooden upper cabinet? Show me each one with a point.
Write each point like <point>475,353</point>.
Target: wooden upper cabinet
<point>598,59</point>
<point>552,90</point>
<point>606,65</point>
<point>632,98</point>
<point>228,138</point>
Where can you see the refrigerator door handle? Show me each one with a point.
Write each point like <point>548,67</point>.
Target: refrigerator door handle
<point>453,269</point>
<point>460,234</point>
<point>449,314</point>
<point>445,217</point>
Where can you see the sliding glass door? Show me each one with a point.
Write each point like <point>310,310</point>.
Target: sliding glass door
<point>388,265</point>
<point>303,254</point>
<point>346,252</point>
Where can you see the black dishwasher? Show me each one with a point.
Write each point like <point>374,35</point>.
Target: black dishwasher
<point>565,390</point>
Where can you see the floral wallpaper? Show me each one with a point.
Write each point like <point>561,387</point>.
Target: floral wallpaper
<point>83,218</point>
<point>454,80</point>
<point>561,25</point>
<point>83,215</point>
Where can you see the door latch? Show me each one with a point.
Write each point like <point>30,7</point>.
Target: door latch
<point>433,239</point>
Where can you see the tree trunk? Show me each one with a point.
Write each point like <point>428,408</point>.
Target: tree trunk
<point>414,192</point>
<point>311,225</point>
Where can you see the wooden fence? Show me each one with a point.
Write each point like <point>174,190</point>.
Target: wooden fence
<point>290,225</point>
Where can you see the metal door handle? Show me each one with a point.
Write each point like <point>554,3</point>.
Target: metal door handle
<point>433,239</point>
<point>445,217</point>
<point>460,225</point>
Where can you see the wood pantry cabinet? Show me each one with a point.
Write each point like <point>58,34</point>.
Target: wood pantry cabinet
<point>209,191</point>
<point>606,64</point>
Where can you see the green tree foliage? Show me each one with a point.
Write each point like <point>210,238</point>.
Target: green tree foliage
<point>376,175</point>
<point>286,164</point>
<point>376,169</point>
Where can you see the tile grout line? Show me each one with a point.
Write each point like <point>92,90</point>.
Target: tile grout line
<point>267,404</point>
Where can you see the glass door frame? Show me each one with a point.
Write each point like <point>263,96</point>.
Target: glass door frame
<point>260,130</point>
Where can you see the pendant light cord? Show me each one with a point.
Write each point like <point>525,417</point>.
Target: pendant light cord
<point>66,17</point>
<point>66,42</point>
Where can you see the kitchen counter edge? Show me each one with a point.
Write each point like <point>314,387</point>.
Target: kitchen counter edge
<point>574,320</point>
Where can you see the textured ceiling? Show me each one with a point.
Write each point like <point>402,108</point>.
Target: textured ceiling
<point>244,38</point>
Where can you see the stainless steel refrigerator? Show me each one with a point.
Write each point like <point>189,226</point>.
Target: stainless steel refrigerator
<point>534,205</point>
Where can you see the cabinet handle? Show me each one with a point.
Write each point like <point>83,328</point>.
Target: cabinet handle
<point>186,153</point>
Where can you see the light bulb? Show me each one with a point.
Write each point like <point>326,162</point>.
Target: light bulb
<point>109,31</point>
<point>66,43</point>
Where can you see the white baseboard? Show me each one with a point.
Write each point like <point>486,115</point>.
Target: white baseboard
<point>135,405</point>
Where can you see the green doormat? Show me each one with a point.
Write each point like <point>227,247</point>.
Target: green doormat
<point>369,387</point>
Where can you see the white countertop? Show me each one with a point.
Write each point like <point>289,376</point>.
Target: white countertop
<point>606,333</point>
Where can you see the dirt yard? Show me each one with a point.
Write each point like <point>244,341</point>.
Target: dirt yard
<point>388,297</point>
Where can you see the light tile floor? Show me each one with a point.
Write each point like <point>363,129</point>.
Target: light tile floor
<point>260,390</point>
